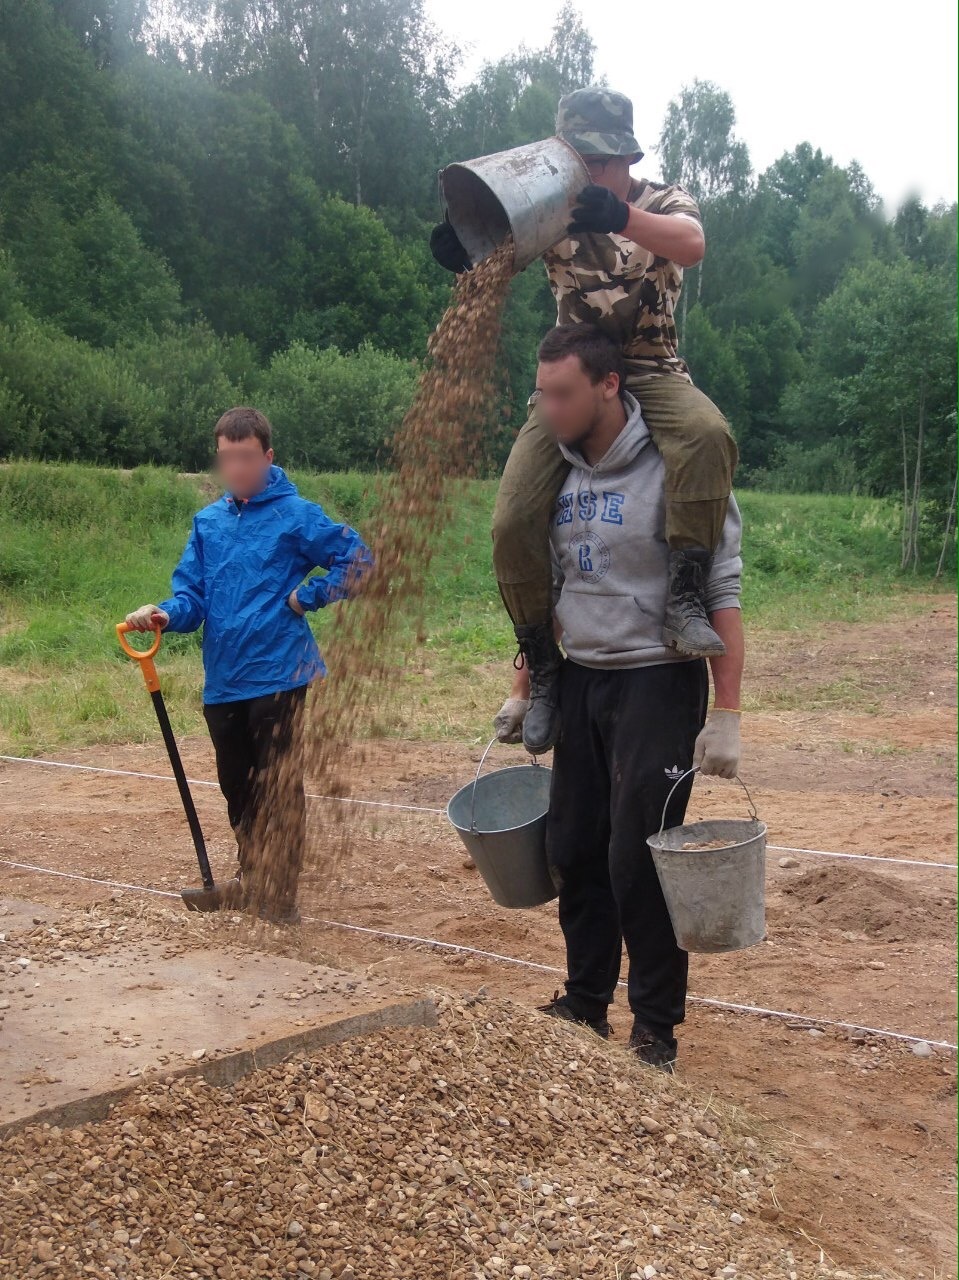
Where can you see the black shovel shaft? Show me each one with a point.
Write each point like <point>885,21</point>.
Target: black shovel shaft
<point>189,808</point>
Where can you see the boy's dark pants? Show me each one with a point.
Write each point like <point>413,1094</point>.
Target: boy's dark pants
<point>259,764</point>
<point>623,731</point>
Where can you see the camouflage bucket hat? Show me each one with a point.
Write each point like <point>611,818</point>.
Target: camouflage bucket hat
<point>598,122</point>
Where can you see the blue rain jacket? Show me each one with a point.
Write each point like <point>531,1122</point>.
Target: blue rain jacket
<point>241,562</point>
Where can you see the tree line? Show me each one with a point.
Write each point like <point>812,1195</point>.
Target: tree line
<point>210,201</point>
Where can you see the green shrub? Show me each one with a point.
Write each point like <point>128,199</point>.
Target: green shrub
<point>335,411</point>
<point>81,403</point>
<point>192,374</point>
<point>798,468</point>
<point>358,284</point>
<point>18,429</point>
<point>91,275</point>
<point>346,495</point>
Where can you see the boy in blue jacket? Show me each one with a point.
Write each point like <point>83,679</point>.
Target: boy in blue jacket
<point>241,578</point>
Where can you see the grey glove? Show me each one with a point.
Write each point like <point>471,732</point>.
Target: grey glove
<point>146,618</point>
<point>717,748</point>
<point>508,721</point>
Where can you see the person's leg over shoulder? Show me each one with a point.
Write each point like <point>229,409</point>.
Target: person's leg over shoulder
<point>527,493</point>
<point>534,472</point>
<point>699,457</point>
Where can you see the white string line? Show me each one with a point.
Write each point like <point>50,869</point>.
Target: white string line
<point>202,782</point>
<point>863,857</point>
<point>75,875</point>
<point>436,945</point>
<point>416,808</point>
<point>693,999</point>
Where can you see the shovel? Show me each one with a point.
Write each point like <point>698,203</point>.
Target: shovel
<point>210,897</point>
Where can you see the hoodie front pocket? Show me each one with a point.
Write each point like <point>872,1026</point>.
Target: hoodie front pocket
<point>597,626</point>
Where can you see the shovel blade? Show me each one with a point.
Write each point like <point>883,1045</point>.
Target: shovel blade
<point>202,899</point>
<point>219,897</point>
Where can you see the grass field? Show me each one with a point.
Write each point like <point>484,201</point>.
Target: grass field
<point>81,546</point>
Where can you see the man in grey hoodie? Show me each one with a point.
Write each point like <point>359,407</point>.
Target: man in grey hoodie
<point>633,711</point>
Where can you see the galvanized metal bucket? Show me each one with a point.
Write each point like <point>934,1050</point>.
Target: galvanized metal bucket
<point>501,819</point>
<point>528,191</point>
<point>716,896</point>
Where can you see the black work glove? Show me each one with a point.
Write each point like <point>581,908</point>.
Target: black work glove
<point>447,249</point>
<point>597,209</point>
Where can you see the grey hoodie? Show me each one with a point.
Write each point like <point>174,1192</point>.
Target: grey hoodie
<point>611,559</point>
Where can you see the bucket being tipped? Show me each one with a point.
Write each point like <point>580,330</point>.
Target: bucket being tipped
<point>527,192</point>
<point>501,819</point>
<point>713,877</point>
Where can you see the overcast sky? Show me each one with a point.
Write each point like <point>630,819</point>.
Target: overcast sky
<point>868,82</point>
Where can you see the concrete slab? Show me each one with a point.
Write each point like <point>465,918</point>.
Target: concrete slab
<point>79,1028</point>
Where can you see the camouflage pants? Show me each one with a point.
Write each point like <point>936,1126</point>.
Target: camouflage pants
<point>699,455</point>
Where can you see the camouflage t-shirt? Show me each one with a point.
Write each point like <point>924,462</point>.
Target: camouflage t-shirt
<point>629,293</point>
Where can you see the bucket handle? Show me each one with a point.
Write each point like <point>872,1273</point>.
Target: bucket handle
<point>479,769</point>
<point>682,777</point>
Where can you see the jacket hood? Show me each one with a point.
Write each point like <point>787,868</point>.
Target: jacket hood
<point>633,437</point>
<point>279,485</point>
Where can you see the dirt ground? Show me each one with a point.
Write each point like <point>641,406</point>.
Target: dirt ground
<point>869,1123</point>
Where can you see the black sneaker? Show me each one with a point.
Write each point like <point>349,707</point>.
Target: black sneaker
<point>559,1007</point>
<point>651,1049</point>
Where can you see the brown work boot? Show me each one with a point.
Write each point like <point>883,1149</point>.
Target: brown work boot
<point>686,627</point>
<point>543,660</point>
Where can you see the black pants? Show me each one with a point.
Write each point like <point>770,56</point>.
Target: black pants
<point>259,765</point>
<point>625,736</point>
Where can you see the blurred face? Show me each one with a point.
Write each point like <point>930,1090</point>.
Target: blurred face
<point>243,465</point>
<point>611,172</point>
<point>571,404</point>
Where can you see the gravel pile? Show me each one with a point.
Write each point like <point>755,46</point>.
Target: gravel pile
<point>90,932</point>
<point>495,1146</point>
<point>69,933</point>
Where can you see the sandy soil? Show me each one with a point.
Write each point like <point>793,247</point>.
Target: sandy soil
<point>869,1123</point>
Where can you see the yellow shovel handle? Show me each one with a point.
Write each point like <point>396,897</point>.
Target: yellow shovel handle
<point>143,656</point>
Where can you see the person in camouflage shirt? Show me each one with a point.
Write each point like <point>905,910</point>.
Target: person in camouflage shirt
<point>622,288</point>
<point>621,269</point>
